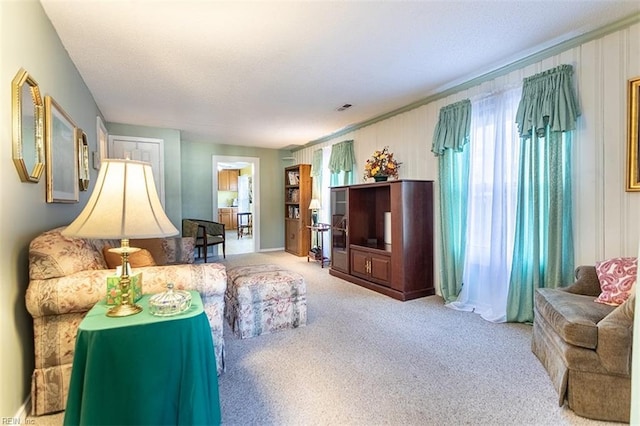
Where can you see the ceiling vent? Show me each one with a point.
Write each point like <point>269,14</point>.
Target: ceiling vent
<point>344,107</point>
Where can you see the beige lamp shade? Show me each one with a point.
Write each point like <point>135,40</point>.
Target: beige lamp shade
<point>314,204</point>
<point>124,204</point>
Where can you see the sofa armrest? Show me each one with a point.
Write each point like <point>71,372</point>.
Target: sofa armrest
<point>72,293</point>
<point>80,291</point>
<point>208,279</point>
<point>615,338</point>
<point>586,283</point>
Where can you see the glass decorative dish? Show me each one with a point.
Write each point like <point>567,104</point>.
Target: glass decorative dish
<point>170,302</point>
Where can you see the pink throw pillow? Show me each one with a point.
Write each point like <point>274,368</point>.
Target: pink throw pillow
<point>617,277</point>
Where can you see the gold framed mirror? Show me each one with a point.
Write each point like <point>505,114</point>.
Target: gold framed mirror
<point>633,135</point>
<point>83,159</point>
<point>27,108</point>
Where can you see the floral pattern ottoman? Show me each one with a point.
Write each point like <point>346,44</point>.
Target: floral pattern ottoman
<point>261,299</point>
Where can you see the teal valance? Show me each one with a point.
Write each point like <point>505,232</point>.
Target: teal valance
<point>548,99</point>
<point>342,157</point>
<point>316,163</point>
<point>453,128</point>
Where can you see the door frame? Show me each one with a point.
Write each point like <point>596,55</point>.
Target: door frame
<point>255,163</point>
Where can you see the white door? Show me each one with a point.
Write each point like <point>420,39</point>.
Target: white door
<point>149,150</point>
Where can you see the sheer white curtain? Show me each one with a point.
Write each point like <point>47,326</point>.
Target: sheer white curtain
<point>324,216</point>
<point>493,188</point>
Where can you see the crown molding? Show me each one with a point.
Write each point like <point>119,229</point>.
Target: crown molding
<point>445,91</point>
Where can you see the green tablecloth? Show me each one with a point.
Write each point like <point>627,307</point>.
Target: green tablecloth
<point>144,369</point>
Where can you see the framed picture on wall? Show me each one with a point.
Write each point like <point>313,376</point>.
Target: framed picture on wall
<point>633,144</point>
<point>83,159</point>
<point>61,150</point>
<point>103,143</point>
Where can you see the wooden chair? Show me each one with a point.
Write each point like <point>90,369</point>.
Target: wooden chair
<point>245,221</point>
<point>206,233</point>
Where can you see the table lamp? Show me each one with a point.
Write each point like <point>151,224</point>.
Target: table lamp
<point>314,206</point>
<point>124,204</point>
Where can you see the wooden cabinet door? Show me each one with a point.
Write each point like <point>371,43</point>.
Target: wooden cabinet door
<point>380,267</point>
<point>339,222</point>
<point>228,180</point>
<point>234,218</point>
<point>339,260</point>
<point>371,266</point>
<point>232,178</point>
<point>225,216</point>
<point>223,180</point>
<point>360,264</point>
<point>292,235</point>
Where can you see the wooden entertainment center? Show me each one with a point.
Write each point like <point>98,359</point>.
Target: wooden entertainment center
<point>402,269</point>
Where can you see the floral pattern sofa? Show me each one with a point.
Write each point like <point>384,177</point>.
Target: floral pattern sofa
<point>68,276</point>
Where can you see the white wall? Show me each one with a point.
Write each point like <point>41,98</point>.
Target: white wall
<point>606,221</point>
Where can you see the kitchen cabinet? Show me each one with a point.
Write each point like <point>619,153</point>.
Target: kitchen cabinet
<point>228,216</point>
<point>228,180</point>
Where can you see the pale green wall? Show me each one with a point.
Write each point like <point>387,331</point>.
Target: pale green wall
<point>172,176</point>
<point>197,181</point>
<point>188,178</point>
<point>28,40</point>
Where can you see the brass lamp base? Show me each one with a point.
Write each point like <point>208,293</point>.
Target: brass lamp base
<point>124,310</point>
<point>126,306</point>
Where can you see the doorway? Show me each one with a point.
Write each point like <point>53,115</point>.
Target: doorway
<point>236,244</point>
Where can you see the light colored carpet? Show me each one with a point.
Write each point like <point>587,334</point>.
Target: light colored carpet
<point>367,359</point>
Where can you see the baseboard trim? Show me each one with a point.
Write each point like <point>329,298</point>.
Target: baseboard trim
<point>271,249</point>
<point>23,411</point>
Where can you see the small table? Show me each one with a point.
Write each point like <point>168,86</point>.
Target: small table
<point>317,254</point>
<point>245,221</point>
<point>144,369</point>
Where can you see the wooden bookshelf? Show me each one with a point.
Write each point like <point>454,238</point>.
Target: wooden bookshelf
<point>297,217</point>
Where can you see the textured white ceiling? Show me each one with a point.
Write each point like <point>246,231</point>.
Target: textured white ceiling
<point>272,74</point>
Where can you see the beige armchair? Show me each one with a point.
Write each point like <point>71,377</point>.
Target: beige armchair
<point>68,276</point>
<point>586,347</point>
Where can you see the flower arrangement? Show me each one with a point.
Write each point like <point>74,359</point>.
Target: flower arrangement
<point>381,163</point>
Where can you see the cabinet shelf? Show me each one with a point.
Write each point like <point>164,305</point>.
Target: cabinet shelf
<point>379,247</point>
